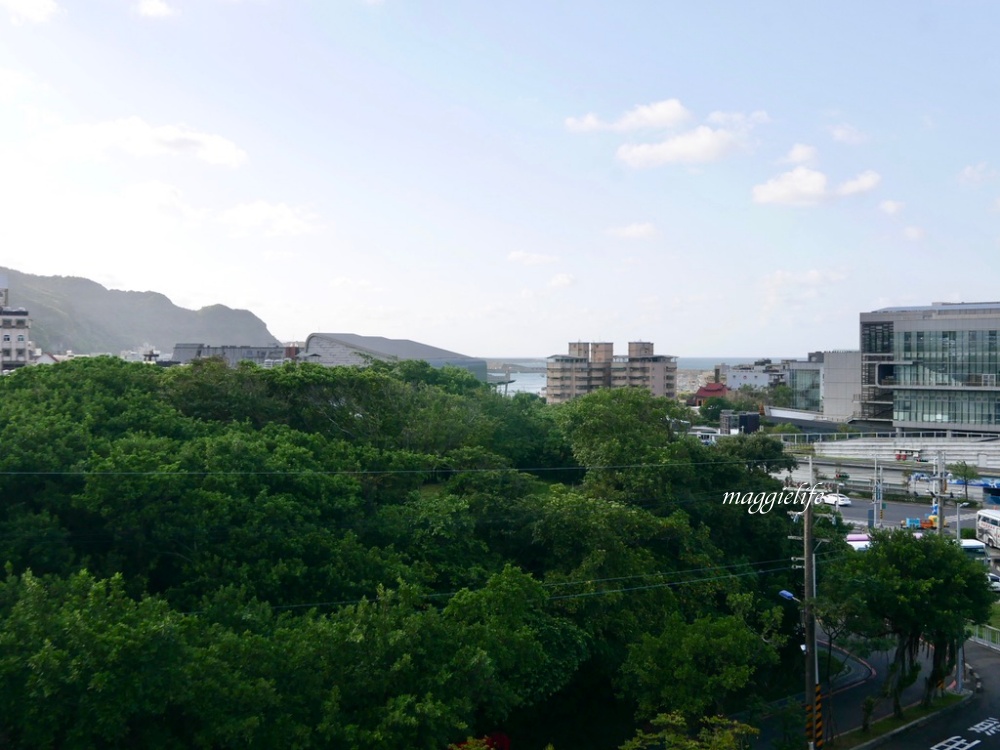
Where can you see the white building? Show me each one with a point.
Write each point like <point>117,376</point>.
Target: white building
<point>16,348</point>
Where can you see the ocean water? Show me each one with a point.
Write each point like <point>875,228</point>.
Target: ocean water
<point>525,382</point>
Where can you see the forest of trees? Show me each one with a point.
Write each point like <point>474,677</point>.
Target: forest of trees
<point>383,557</point>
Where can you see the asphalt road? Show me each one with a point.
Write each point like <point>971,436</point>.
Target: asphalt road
<point>974,724</point>
<point>843,701</point>
<point>978,719</point>
<point>895,512</point>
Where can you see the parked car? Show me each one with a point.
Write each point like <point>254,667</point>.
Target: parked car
<point>834,498</point>
<point>994,582</point>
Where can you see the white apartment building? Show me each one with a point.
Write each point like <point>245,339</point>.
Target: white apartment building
<point>16,348</point>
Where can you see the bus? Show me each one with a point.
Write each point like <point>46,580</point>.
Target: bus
<point>988,527</point>
<point>976,550</point>
<point>859,542</point>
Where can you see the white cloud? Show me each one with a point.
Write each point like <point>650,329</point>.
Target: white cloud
<point>561,280</point>
<point>31,11</point>
<point>268,219</point>
<point>530,259</point>
<point>698,146</point>
<point>800,187</point>
<point>975,174</point>
<point>848,134</point>
<point>635,231</point>
<point>913,233</point>
<point>890,207</point>
<point>800,153</point>
<point>803,186</point>
<point>665,114</point>
<point>154,9</point>
<point>863,183</point>
<point>136,137</point>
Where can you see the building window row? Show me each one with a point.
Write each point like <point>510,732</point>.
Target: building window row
<point>947,408</point>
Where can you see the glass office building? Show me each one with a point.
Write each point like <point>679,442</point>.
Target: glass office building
<point>933,367</point>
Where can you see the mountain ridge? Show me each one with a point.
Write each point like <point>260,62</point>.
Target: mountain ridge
<point>72,313</point>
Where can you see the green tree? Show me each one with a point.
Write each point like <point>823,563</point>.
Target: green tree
<point>710,411</point>
<point>83,665</point>
<point>912,590</point>
<point>620,435</point>
<point>966,472</point>
<point>694,668</point>
<point>671,733</point>
<point>780,395</point>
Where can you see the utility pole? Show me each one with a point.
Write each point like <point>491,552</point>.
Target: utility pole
<point>876,495</point>
<point>814,720</point>
<point>813,699</point>
<point>939,480</point>
<point>880,492</point>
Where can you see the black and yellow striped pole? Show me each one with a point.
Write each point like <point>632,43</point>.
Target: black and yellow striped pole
<point>818,719</point>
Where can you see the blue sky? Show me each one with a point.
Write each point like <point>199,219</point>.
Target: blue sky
<point>500,179</point>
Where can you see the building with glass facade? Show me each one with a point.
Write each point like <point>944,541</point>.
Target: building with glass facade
<point>933,367</point>
<point>805,380</point>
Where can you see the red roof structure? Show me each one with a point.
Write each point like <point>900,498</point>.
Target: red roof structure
<point>710,390</point>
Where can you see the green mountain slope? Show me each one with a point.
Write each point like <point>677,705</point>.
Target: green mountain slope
<point>74,314</point>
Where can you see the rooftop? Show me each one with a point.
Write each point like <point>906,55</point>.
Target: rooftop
<point>399,348</point>
<point>946,307</point>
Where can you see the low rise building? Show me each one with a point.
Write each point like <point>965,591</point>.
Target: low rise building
<point>265,356</point>
<point>352,349</point>
<point>738,422</point>
<point>16,347</point>
<point>826,383</point>
<point>707,391</point>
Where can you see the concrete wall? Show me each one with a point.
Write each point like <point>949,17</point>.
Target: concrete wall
<point>983,454</point>
<point>841,383</point>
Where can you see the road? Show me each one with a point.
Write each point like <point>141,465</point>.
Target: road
<point>978,719</point>
<point>860,474</point>
<point>843,704</point>
<point>975,724</point>
<point>896,511</point>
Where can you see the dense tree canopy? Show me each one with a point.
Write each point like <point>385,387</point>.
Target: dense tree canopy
<point>388,556</point>
<point>917,592</point>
